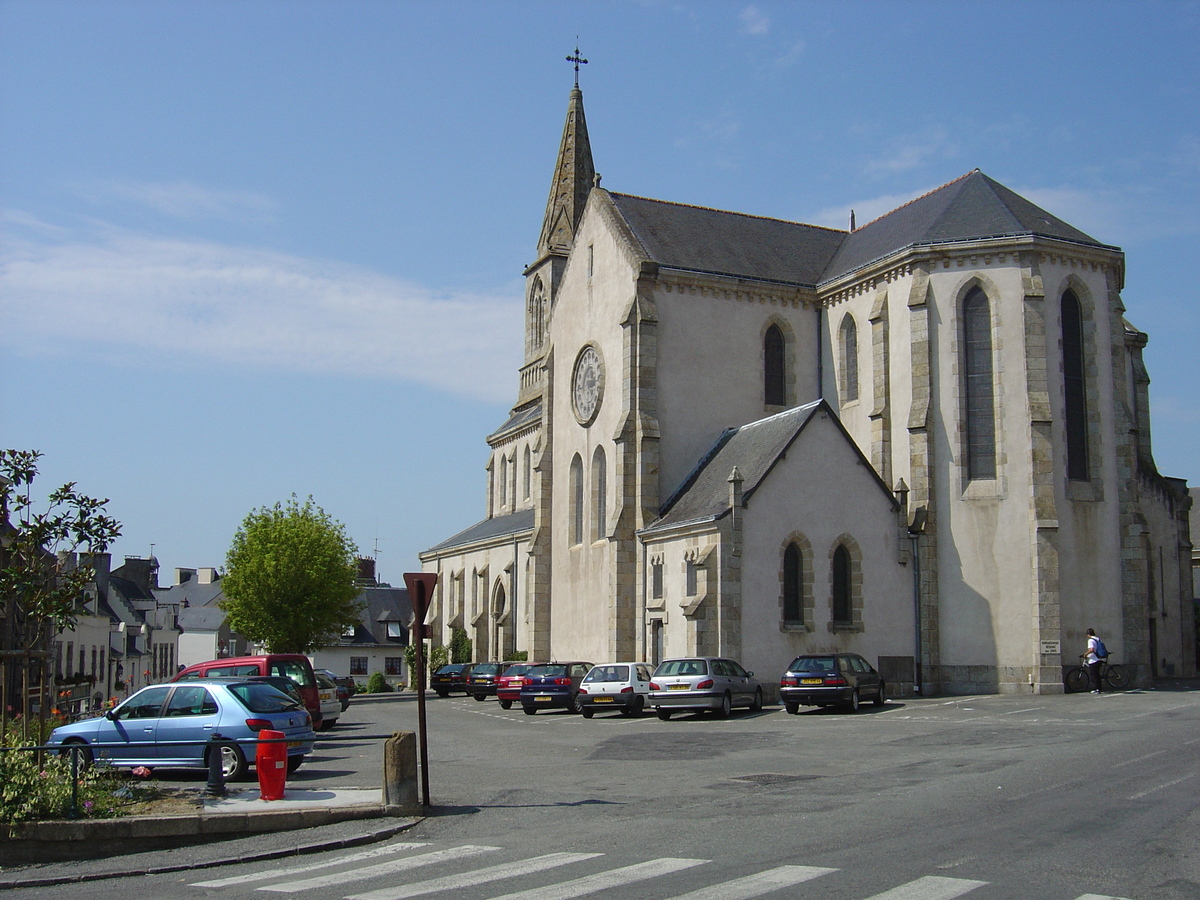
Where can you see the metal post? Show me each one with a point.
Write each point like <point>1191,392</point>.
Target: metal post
<point>420,630</point>
<point>216,774</point>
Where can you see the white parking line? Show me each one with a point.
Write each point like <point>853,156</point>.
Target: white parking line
<point>1155,790</point>
<point>580,887</point>
<point>479,876</point>
<point>758,884</point>
<point>931,887</point>
<point>1137,759</point>
<point>387,868</point>
<point>1098,897</point>
<point>374,853</point>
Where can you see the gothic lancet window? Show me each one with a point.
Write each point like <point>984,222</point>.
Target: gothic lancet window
<point>848,337</point>
<point>599,494</point>
<point>528,471</point>
<point>793,569</point>
<point>842,611</point>
<point>774,390</point>
<point>536,316</point>
<point>979,409</point>
<point>1074,388</point>
<point>576,495</point>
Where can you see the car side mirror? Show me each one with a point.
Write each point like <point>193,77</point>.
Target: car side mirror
<point>749,674</point>
<point>110,714</point>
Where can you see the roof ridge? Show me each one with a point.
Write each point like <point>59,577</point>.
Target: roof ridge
<point>728,212</point>
<point>920,198</point>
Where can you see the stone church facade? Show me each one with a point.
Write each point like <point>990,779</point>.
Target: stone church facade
<point>925,440</point>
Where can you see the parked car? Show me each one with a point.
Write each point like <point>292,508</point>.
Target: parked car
<point>481,683</point>
<point>331,706</point>
<point>295,666</point>
<point>825,679</point>
<point>279,682</point>
<point>553,685</point>
<point>345,686</point>
<point>701,683</point>
<point>615,686</point>
<point>509,684</point>
<point>169,725</point>
<point>449,678</point>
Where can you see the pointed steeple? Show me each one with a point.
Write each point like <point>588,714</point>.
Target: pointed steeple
<point>574,175</point>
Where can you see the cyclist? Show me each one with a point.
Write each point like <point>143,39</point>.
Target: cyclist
<point>1093,660</point>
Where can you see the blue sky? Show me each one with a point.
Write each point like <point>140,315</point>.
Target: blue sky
<point>253,249</point>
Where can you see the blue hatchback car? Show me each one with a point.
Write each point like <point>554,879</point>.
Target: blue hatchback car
<point>553,685</point>
<point>169,726</point>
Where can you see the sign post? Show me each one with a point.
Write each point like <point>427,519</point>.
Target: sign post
<point>420,591</point>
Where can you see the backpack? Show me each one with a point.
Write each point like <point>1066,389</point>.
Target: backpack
<point>1101,650</point>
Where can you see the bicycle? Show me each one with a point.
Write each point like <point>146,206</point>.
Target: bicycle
<point>1078,680</point>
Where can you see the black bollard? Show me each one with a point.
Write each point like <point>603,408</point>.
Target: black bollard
<point>216,774</point>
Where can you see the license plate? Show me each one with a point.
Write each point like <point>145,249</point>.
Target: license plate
<point>293,743</point>
<point>812,680</point>
<point>602,699</point>
<point>542,699</point>
<point>678,687</point>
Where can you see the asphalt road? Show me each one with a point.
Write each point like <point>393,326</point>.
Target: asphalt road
<point>1058,797</point>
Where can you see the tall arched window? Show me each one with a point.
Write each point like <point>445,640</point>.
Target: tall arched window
<point>502,478</point>
<point>843,613</point>
<point>576,488</point>
<point>528,471</point>
<point>774,388</point>
<point>536,316</point>
<point>979,408</point>
<point>848,334</point>
<point>1074,387</point>
<point>599,494</point>
<point>793,570</point>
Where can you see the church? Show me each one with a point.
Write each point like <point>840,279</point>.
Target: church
<point>925,439</point>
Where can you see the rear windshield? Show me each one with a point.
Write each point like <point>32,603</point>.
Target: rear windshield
<point>262,698</point>
<point>547,671</point>
<point>813,664</point>
<point>683,667</point>
<point>222,671</point>
<point>299,672</point>
<point>518,669</point>
<point>608,673</point>
<point>487,669</point>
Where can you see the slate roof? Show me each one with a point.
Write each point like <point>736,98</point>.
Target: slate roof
<point>381,604</point>
<point>517,420</point>
<point>201,618</point>
<point>696,239</point>
<point>497,526</point>
<point>753,449</point>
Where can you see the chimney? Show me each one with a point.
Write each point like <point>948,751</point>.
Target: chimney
<point>183,576</point>
<point>206,575</point>
<point>366,570</point>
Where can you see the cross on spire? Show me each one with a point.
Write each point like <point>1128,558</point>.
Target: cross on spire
<point>577,59</point>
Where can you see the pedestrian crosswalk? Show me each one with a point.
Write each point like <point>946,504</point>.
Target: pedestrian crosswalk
<point>401,866</point>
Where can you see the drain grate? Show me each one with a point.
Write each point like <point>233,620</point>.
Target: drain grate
<point>772,778</point>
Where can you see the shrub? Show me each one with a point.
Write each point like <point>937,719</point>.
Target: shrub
<point>29,791</point>
<point>378,684</point>
<point>460,646</point>
<point>517,656</point>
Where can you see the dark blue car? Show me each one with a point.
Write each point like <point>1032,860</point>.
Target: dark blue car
<point>553,686</point>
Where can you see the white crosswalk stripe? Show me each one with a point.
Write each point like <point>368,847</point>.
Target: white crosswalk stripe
<point>387,868</point>
<point>758,884</point>
<point>931,887</point>
<point>580,887</point>
<point>1099,897</point>
<point>289,871</point>
<point>479,876</point>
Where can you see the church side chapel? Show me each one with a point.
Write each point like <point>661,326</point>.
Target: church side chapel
<point>925,440</point>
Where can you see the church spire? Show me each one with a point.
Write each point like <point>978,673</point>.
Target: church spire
<point>574,175</point>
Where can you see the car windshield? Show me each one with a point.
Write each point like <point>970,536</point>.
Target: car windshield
<point>683,667</point>
<point>608,673</point>
<point>813,664</point>
<point>487,669</point>
<point>519,669</point>
<point>452,669</point>
<point>262,698</point>
<point>547,671</point>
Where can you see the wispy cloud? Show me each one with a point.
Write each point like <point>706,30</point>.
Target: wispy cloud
<point>754,21</point>
<point>865,210</point>
<point>180,199</point>
<point>154,300</point>
<point>908,152</point>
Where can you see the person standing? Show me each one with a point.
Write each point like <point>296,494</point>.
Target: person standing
<point>1093,660</point>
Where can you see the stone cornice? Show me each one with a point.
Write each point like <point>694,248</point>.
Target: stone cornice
<point>681,281</point>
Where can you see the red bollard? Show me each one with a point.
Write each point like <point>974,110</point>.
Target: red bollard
<point>270,759</point>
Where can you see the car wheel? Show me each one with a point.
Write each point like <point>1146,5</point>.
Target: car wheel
<point>664,714</point>
<point>726,706</point>
<point>757,704</point>
<point>481,697</point>
<point>881,697</point>
<point>294,762</point>
<point>792,708</point>
<point>233,762</point>
<point>854,700</point>
<point>633,709</point>
<point>529,710</point>
<point>442,693</point>
<point>576,704</point>
<point>506,704</point>
<point>84,753</point>
<point>326,724</point>
<point>587,712</point>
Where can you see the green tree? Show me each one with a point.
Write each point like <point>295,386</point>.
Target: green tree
<point>290,578</point>
<point>460,645</point>
<point>44,570</point>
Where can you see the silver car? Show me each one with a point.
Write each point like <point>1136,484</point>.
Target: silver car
<point>703,683</point>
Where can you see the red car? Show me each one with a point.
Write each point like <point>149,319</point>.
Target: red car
<point>508,685</point>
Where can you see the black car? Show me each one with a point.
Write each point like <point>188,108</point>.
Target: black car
<point>827,679</point>
<point>553,685</point>
<point>481,683</point>
<point>449,678</point>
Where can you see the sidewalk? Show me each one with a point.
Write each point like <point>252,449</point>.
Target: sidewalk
<point>304,821</point>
